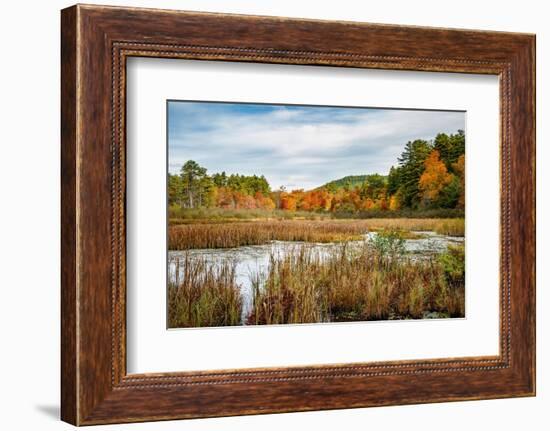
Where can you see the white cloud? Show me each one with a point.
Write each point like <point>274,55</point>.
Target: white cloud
<point>298,147</point>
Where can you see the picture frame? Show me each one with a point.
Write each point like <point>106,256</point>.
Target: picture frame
<point>96,42</point>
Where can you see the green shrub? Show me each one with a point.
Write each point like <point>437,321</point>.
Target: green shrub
<point>453,264</point>
<point>388,243</point>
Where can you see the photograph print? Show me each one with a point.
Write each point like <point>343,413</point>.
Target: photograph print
<point>298,214</point>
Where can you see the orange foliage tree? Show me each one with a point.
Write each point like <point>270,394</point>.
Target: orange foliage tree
<point>394,203</point>
<point>288,202</point>
<point>435,177</point>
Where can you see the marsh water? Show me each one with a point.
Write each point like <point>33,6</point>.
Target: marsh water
<point>253,261</point>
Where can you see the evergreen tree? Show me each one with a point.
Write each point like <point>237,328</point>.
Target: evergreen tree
<point>175,190</point>
<point>192,175</point>
<point>394,180</point>
<point>411,166</point>
<point>450,147</point>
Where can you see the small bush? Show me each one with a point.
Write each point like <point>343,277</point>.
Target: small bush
<point>388,243</point>
<point>453,264</point>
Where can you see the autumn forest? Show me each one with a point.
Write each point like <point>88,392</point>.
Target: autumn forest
<point>427,175</point>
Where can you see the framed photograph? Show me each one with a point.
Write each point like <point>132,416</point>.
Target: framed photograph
<point>284,233</point>
<point>322,214</point>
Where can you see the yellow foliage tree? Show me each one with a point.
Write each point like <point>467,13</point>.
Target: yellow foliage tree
<point>394,203</point>
<point>435,177</point>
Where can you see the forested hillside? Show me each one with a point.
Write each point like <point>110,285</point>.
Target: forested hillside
<point>427,175</point>
<point>349,181</point>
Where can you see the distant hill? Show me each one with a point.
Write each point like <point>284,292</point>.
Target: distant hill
<point>350,181</point>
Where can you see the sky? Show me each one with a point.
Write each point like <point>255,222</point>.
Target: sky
<point>298,147</point>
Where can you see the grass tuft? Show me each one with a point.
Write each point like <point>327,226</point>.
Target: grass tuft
<point>202,294</point>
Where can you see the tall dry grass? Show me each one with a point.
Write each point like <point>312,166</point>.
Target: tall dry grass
<point>236,234</point>
<point>254,233</point>
<point>451,227</point>
<point>202,294</point>
<point>353,285</point>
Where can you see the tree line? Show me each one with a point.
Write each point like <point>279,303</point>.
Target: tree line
<point>428,175</point>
